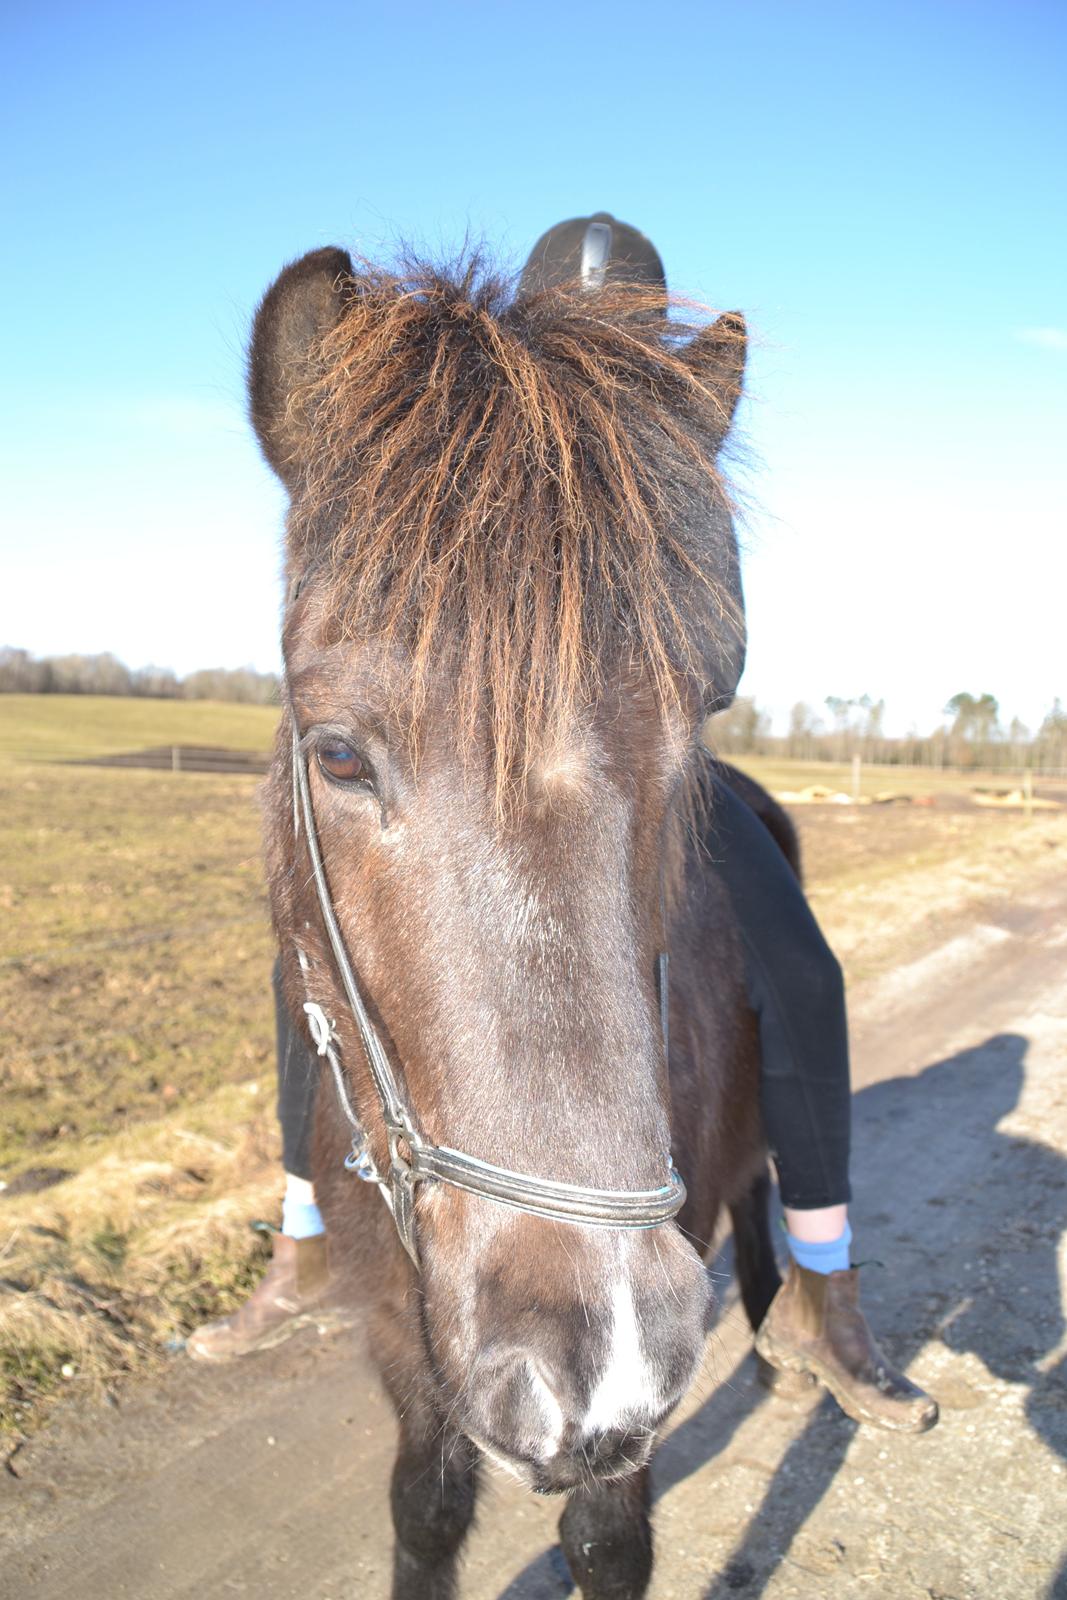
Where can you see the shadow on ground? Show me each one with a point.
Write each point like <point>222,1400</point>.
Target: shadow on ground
<point>994,1291</point>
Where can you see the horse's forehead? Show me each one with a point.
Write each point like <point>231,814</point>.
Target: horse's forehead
<point>321,666</point>
<point>366,684</point>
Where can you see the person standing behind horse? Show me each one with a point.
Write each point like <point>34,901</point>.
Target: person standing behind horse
<point>795,987</point>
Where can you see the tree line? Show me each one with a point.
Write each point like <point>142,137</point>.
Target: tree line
<point>23,673</point>
<point>972,735</point>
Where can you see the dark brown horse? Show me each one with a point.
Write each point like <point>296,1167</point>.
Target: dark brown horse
<point>506,540</point>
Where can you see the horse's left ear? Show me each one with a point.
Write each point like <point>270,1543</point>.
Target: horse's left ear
<point>293,317</point>
<point>716,357</point>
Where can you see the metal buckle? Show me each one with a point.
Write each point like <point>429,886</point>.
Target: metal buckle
<point>403,1175</point>
<point>402,1168</point>
<point>360,1161</point>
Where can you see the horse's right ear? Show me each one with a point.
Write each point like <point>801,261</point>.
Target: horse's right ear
<point>296,312</point>
<point>716,357</point>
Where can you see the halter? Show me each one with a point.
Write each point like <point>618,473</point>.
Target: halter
<point>412,1159</point>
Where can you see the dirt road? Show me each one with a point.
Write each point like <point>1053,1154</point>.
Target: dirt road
<point>270,1478</point>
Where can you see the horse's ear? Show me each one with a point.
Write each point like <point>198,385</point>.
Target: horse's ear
<point>716,357</point>
<point>295,313</point>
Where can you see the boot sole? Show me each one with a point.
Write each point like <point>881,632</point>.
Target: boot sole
<point>794,1365</point>
<point>326,1322</point>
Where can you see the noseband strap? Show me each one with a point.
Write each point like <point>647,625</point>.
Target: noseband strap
<point>411,1158</point>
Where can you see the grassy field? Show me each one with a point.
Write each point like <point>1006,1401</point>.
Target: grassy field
<point>67,727</point>
<point>135,954</point>
<point>136,1070</point>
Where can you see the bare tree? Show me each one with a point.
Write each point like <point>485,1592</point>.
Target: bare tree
<point>741,730</point>
<point>974,726</point>
<point>841,710</point>
<point>243,684</point>
<point>155,683</point>
<point>22,673</point>
<point>1018,740</point>
<point>19,672</point>
<point>1052,738</point>
<point>804,727</point>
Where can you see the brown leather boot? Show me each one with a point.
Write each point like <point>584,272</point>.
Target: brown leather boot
<point>290,1296</point>
<point>815,1326</point>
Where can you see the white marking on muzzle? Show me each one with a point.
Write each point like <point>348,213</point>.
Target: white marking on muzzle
<point>627,1389</point>
<point>553,1413</point>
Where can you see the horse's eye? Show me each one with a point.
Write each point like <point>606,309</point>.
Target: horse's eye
<point>341,763</point>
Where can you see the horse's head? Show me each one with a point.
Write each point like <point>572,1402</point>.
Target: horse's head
<point>505,527</point>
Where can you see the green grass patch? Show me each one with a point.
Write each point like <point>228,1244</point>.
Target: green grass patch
<point>70,727</point>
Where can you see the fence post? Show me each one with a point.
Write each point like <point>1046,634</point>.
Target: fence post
<point>1028,794</point>
<point>856,764</point>
<point>175,758</point>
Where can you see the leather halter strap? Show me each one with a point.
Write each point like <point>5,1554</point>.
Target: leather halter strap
<point>412,1159</point>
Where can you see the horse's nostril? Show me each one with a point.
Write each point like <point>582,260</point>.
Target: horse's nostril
<point>618,1451</point>
<point>606,1446</point>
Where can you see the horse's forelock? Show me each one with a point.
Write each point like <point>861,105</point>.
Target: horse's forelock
<point>524,495</point>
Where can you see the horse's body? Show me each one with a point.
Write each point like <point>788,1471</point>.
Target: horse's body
<point>510,828</point>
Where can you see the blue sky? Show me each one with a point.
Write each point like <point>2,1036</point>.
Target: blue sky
<point>880,187</point>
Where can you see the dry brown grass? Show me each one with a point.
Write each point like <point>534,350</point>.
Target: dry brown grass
<point>104,1272</point>
<point>137,1051</point>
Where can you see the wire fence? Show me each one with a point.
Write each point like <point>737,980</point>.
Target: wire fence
<point>180,758</point>
<point>156,758</point>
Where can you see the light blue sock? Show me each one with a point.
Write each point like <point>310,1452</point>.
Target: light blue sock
<point>831,1256</point>
<point>301,1217</point>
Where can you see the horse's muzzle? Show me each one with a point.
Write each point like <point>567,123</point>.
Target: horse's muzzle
<point>579,1400</point>
<point>527,1432</point>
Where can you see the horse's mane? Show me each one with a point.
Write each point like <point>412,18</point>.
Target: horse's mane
<point>524,494</point>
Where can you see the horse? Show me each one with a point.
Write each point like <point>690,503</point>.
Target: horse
<point>507,528</point>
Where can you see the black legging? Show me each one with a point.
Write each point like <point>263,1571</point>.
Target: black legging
<point>797,991</point>
<point>298,1073</point>
<point>794,986</point>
